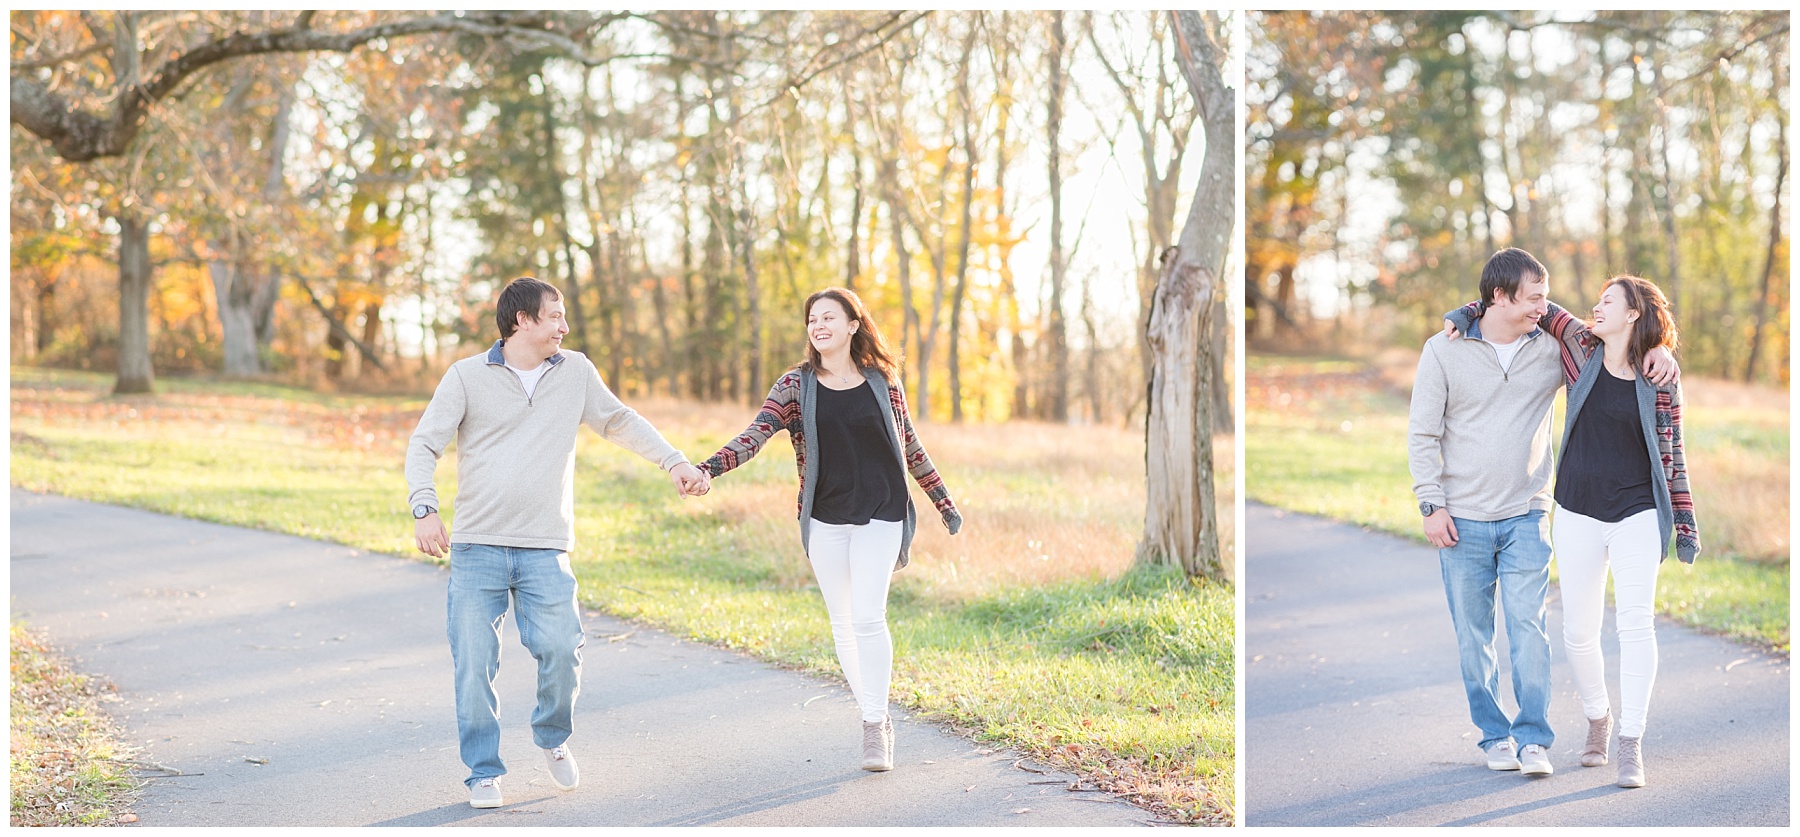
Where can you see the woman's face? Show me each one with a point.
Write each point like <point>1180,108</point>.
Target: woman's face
<point>829,326</point>
<point>1611,318</point>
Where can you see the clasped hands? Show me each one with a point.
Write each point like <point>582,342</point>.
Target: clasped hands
<point>690,481</point>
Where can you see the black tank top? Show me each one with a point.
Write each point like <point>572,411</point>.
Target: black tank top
<point>859,474</point>
<point>1605,474</point>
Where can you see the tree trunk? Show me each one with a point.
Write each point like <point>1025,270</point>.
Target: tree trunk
<point>853,255</point>
<point>135,372</point>
<point>1180,524</point>
<point>909,322</point>
<point>928,335</point>
<point>1009,291</point>
<point>1056,399</point>
<point>266,286</point>
<point>1665,202</point>
<point>746,234</point>
<point>1763,303</point>
<point>968,231</point>
<point>371,337</point>
<point>1220,327</point>
<point>237,321</point>
<point>1091,372</point>
<point>690,291</point>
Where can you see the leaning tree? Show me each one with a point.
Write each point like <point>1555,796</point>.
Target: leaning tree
<point>1180,519</point>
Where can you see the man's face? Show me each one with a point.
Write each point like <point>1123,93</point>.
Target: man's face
<point>544,334</point>
<point>1524,309</point>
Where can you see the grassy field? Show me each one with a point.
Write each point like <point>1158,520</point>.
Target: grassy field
<point>67,765</point>
<point>1328,437</point>
<point>1031,627</point>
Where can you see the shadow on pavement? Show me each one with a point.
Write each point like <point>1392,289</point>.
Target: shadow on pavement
<point>459,812</point>
<point>762,802</point>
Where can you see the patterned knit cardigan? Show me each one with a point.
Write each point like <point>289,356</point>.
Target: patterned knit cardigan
<point>1658,406</point>
<point>792,406</point>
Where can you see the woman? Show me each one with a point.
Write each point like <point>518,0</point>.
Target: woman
<point>1621,497</point>
<point>844,410</point>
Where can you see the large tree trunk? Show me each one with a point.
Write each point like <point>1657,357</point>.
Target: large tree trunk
<point>237,318</point>
<point>245,296</point>
<point>135,373</point>
<point>1180,524</point>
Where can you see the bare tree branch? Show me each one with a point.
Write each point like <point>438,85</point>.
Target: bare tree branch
<point>79,135</point>
<point>51,61</point>
<point>793,84</point>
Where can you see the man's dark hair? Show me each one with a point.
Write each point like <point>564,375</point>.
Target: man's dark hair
<point>523,294</point>
<point>1504,272</point>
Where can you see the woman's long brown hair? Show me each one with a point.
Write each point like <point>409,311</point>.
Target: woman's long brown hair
<point>1655,326</point>
<point>867,349</point>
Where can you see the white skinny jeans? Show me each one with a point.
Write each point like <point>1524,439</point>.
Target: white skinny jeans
<point>853,564</point>
<point>1633,547</point>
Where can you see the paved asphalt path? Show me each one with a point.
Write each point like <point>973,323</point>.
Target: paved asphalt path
<point>282,681</point>
<point>1355,714</point>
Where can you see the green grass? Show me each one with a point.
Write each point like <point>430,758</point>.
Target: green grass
<point>1029,629</point>
<point>1336,447</point>
<point>67,766</point>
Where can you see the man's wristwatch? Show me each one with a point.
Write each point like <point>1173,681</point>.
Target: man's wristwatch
<point>1427,509</point>
<point>422,511</point>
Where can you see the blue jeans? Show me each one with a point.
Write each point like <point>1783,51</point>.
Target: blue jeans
<point>542,588</point>
<point>1513,557</point>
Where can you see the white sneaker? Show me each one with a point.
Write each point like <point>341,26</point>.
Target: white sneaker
<point>1534,760</point>
<point>485,794</point>
<point>1500,756</point>
<point>563,772</point>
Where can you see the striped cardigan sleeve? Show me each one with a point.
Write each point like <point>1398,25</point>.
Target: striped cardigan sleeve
<point>1573,338</point>
<point>1574,341</point>
<point>1674,470</point>
<point>781,411</point>
<point>918,463</point>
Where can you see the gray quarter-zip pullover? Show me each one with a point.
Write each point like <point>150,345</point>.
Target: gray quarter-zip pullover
<point>516,454</point>
<point>1478,438</point>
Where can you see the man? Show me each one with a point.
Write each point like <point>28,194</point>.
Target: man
<point>514,413</point>
<point>1479,449</point>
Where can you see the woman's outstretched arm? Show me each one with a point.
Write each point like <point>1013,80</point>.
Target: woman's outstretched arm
<point>781,411</point>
